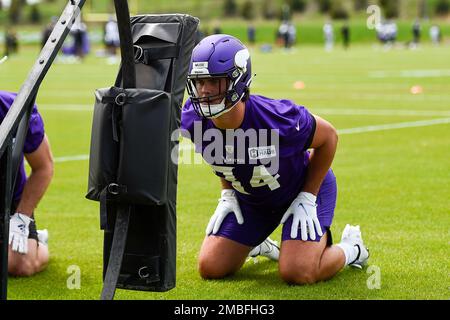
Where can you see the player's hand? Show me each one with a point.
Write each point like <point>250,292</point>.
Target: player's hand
<point>227,203</point>
<point>304,211</point>
<point>18,232</point>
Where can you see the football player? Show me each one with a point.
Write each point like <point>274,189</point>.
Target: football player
<point>299,191</point>
<point>28,247</point>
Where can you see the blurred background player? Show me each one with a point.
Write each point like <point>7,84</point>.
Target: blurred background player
<point>328,34</point>
<point>387,32</point>
<point>79,31</point>
<point>435,35</point>
<point>286,34</point>
<point>48,30</point>
<point>28,247</point>
<point>416,31</point>
<point>251,34</point>
<point>345,31</point>
<point>299,191</point>
<point>217,29</point>
<point>79,46</point>
<point>112,40</point>
<point>291,35</point>
<point>11,42</point>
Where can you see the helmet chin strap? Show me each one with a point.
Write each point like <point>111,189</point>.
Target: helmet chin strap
<point>219,108</point>
<point>208,109</point>
<point>213,111</point>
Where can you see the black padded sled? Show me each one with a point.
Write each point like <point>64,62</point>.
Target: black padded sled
<point>131,171</point>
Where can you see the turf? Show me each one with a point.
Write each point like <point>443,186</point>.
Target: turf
<point>394,183</point>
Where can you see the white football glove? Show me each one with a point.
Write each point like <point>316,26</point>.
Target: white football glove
<point>18,232</point>
<point>227,203</point>
<point>304,210</point>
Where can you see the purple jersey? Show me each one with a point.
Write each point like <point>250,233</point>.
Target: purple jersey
<point>34,137</point>
<point>256,182</point>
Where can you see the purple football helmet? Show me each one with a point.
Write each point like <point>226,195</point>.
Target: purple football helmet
<point>219,56</point>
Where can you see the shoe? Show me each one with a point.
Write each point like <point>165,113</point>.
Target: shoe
<point>43,236</point>
<point>352,235</point>
<point>268,248</point>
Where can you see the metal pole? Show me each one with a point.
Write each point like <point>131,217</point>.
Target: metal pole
<point>22,104</point>
<point>5,212</point>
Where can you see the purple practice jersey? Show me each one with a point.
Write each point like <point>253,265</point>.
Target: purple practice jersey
<point>269,170</point>
<point>34,137</point>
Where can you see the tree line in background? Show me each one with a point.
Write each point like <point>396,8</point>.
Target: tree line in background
<point>16,11</point>
<point>20,11</point>
<point>336,9</point>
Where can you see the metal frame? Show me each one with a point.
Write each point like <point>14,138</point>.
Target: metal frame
<point>14,127</point>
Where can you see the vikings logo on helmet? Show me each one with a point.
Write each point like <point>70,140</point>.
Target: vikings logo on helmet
<point>219,56</point>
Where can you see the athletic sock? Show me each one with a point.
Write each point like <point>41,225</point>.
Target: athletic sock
<point>350,252</point>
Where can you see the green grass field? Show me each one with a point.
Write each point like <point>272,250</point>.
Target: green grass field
<point>394,182</point>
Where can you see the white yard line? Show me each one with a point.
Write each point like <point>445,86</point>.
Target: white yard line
<point>79,157</point>
<point>410,74</point>
<point>66,107</point>
<point>392,126</point>
<point>382,112</point>
<point>373,128</point>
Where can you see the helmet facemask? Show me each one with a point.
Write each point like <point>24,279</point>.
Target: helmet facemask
<point>214,106</point>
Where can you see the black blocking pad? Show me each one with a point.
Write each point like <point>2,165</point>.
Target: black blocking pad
<point>130,161</point>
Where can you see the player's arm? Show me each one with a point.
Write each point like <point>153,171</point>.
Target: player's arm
<point>41,163</point>
<point>228,203</point>
<point>324,146</point>
<point>304,207</point>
